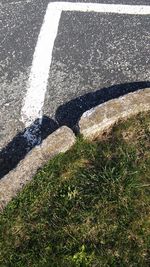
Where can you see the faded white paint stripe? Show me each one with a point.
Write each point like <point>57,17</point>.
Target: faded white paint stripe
<point>103,8</point>
<point>37,83</point>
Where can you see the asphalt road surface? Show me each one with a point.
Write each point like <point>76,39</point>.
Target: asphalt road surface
<point>95,56</point>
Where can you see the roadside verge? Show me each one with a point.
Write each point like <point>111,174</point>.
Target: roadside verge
<point>92,124</point>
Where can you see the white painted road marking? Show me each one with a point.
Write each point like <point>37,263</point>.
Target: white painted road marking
<point>42,57</point>
<point>37,83</point>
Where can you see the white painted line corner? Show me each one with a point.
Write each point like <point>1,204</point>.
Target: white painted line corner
<point>37,83</point>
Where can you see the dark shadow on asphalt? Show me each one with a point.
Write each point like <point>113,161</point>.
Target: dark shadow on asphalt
<point>19,146</point>
<point>67,114</point>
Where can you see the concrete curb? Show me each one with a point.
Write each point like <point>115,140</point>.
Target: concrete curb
<point>92,124</point>
<point>100,119</point>
<point>59,141</point>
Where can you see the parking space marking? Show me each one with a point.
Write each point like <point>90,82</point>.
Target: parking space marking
<point>37,83</point>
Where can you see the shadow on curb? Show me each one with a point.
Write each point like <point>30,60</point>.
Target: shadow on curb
<point>68,114</point>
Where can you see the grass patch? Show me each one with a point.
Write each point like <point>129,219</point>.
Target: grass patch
<point>87,207</point>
